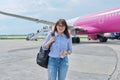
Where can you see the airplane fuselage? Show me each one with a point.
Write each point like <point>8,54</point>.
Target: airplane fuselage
<point>103,22</point>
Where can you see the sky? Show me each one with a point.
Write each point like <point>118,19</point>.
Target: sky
<point>50,10</point>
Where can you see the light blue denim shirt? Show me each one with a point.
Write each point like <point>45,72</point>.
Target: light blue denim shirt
<point>61,43</point>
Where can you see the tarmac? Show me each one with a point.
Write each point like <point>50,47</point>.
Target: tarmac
<point>90,60</point>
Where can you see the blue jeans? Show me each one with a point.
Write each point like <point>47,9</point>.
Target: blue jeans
<point>57,68</point>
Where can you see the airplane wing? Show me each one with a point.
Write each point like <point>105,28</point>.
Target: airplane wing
<point>28,18</point>
<point>71,27</point>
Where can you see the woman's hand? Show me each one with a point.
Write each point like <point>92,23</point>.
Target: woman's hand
<point>52,39</point>
<point>47,45</point>
<point>64,53</point>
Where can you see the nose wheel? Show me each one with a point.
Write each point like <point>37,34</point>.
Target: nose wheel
<point>75,40</point>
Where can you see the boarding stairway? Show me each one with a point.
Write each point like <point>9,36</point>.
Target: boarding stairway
<point>34,36</point>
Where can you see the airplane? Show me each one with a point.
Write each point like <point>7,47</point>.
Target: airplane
<point>93,25</point>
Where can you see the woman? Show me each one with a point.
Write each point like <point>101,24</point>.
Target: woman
<point>60,46</point>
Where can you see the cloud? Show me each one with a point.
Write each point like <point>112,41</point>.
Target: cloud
<point>33,8</point>
<point>1,28</point>
<point>43,8</point>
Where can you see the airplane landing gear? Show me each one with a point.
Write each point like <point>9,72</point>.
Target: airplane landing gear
<point>75,40</point>
<point>102,38</point>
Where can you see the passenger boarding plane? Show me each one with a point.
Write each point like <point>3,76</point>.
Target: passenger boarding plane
<point>94,25</point>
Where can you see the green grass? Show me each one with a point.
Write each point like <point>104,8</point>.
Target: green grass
<point>23,37</point>
<point>18,38</point>
<point>12,38</point>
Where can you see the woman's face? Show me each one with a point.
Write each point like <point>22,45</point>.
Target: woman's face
<point>60,28</point>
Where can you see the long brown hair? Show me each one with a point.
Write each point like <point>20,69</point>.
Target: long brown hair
<point>64,23</point>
